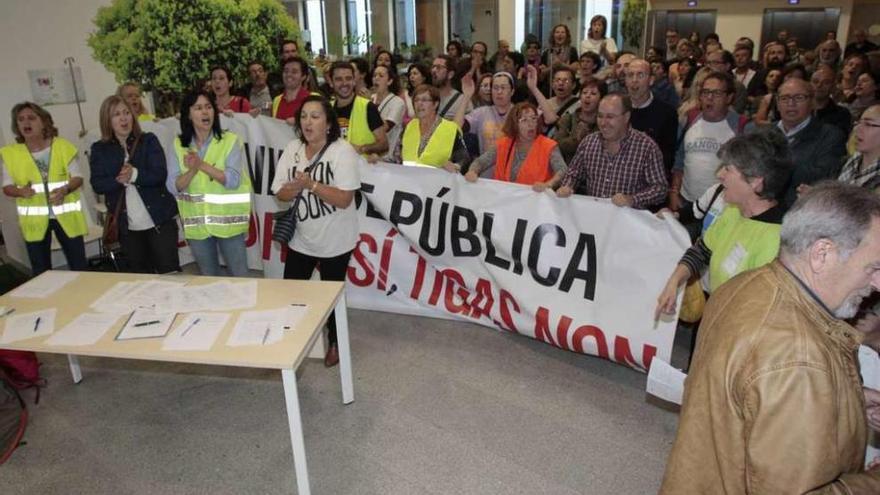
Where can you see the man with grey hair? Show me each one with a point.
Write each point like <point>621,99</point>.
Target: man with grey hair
<point>773,401</point>
<point>817,149</point>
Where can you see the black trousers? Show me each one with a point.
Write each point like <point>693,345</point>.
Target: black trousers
<point>152,250</point>
<point>40,252</point>
<point>300,267</point>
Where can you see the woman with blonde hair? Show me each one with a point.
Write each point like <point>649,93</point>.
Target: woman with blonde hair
<point>128,168</point>
<point>131,92</point>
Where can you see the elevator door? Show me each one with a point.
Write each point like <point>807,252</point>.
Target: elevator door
<point>807,25</point>
<point>683,21</point>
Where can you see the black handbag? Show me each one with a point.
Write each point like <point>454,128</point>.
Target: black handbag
<point>285,220</point>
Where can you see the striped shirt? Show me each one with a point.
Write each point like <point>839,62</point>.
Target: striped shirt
<point>857,173</point>
<point>636,170</point>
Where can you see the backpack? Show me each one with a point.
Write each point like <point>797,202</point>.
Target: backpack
<point>21,369</point>
<point>13,418</point>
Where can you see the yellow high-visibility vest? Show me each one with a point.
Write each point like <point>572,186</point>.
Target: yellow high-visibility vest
<point>207,207</point>
<point>437,152</point>
<point>33,212</point>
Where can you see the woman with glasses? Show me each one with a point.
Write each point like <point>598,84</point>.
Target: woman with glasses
<point>486,122</point>
<point>863,167</point>
<point>522,155</point>
<point>429,139</point>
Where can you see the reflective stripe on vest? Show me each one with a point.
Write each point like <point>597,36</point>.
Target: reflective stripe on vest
<point>34,211</point>
<point>437,152</point>
<point>535,168</point>
<point>206,207</point>
<point>276,103</point>
<point>359,132</point>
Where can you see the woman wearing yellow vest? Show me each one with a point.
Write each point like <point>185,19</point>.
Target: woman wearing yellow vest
<point>429,139</point>
<point>41,172</point>
<point>213,194</point>
<point>522,155</point>
<point>322,168</point>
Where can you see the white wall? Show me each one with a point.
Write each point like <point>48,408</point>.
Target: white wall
<point>40,34</point>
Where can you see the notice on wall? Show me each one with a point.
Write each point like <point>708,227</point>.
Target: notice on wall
<point>55,86</point>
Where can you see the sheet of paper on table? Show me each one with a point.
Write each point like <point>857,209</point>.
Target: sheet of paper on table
<point>295,313</point>
<point>196,332</point>
<point>146,324</point>
<point>45,285</point>
<point>177,297</point>
<point>85,329</point>
<point>665,382</point>
<point>28,325</point>
<point>258,328</point>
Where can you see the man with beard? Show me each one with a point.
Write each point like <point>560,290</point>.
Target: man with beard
<point>775,57</point>
<point>773,402</point>
<point>442,72</point>
<point>358,117</point>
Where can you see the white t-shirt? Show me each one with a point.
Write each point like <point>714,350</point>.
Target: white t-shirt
<point>322,230</point>
<point>391,109</point>
<point>590,45</point>
<point>701,143</point>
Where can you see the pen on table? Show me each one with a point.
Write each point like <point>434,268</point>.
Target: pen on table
<point>37,323</point>
<point>194,323</point>
<point>145,323</point>
<point>265,335</point>
<point>9,312</point>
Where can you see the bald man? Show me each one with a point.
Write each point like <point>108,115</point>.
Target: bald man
<point>650,115</point>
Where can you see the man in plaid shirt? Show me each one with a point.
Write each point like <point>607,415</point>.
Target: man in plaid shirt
<point>618,162</point>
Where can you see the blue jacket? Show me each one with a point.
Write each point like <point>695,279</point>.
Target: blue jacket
<point>105,161</point>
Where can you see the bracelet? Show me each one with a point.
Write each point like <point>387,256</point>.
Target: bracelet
<point>315,187</point>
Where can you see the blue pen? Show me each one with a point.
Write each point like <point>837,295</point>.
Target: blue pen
<point>194,323</point>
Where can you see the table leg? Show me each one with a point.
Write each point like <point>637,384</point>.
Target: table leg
<point>296,434</point>
<point>73,361</point>
<point>344,351</point>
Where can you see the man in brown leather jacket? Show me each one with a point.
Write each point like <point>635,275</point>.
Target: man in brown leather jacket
<point>773,403</point>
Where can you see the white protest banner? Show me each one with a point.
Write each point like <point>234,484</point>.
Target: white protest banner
<point>578,273</point>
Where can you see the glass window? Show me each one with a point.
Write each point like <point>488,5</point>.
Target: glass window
<point>473,20</point>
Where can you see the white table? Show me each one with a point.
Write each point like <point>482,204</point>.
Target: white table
<point>286,355</point>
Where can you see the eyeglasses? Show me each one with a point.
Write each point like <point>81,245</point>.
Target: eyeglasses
<point>423,100</point>
<point>528,120</point>
<point>867,124</point>
<point>713,93</point>
<point>636,75</point>
<point>787,99</point>
<point>438,67</point>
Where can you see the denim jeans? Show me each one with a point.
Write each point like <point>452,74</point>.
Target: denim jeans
<point>40,252</point>
<point>232,248</point>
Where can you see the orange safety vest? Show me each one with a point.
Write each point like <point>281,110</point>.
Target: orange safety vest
<point>536,168</point>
